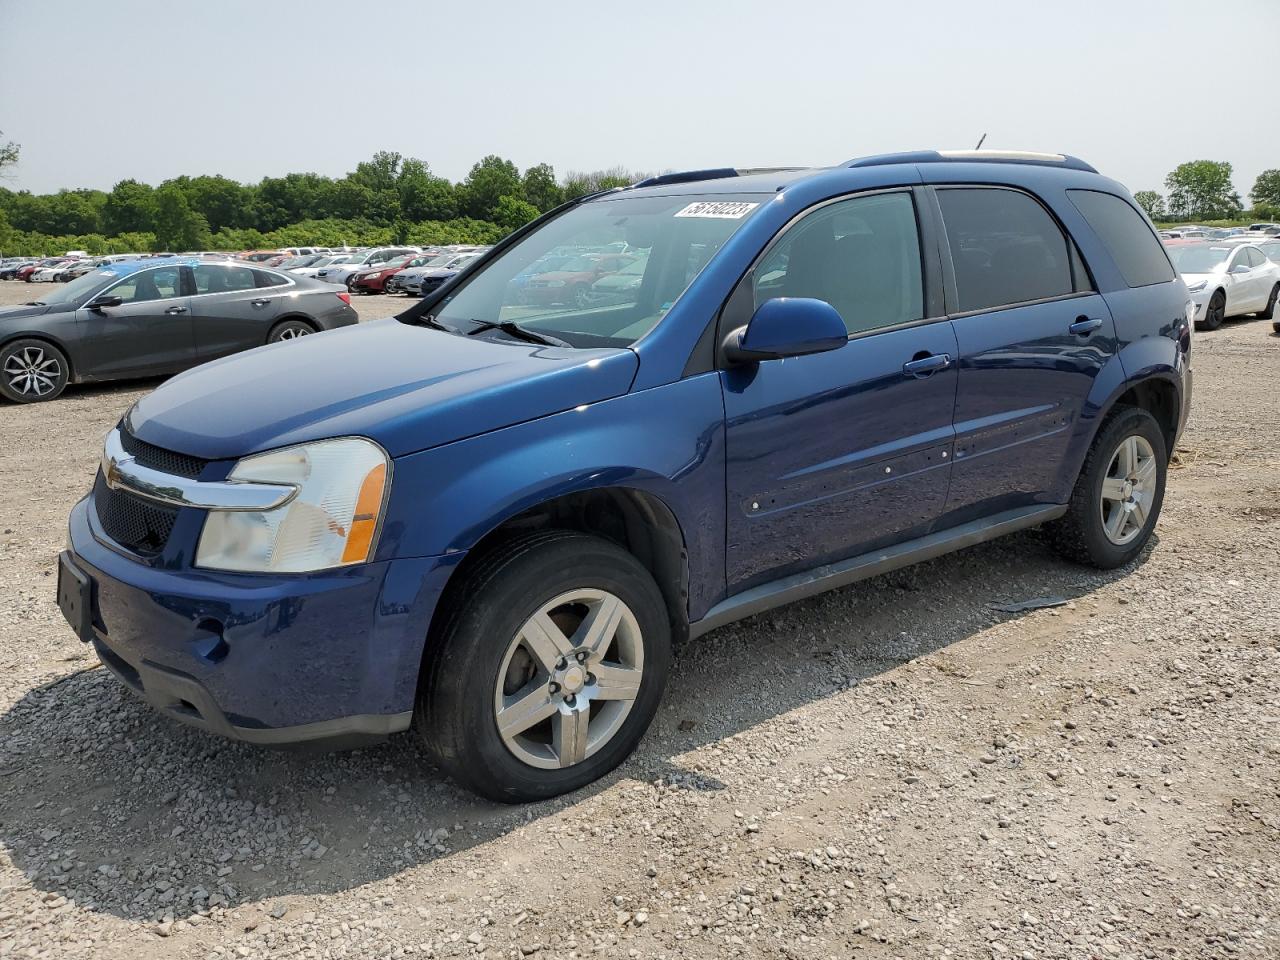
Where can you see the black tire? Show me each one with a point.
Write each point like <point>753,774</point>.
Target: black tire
<point>47,362</point>
<point>291,329</point>
<point>1215,312</point>
<point>1270,311</point>
<point>455,713</point>
<point>1080,534</point>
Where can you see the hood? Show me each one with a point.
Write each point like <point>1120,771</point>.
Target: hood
<point>407,387</point>
<point>22,312</point>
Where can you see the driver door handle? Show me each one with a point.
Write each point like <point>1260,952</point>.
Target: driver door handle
<point>926,366</point>
<point>1085,326</point>
<point>176,310</point>
<point>259,302</point>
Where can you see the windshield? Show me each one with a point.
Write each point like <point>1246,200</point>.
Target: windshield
<point>78,289</point>
<point>1198,259</point>
<point>1271,251</point>
<point>667,242</point>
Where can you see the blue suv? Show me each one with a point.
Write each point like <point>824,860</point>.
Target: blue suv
<point>489,520</point>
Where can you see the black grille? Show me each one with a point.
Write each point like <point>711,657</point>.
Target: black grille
<point>157,458</point>
<point>136,524</point>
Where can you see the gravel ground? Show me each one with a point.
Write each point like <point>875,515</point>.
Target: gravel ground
<point>893,770</point>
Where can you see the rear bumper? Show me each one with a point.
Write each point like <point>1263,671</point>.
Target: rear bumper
<point>329,658</point>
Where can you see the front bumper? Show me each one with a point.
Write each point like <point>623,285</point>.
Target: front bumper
<point>329,658</point>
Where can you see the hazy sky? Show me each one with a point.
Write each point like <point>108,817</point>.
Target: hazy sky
<point>99,91</point>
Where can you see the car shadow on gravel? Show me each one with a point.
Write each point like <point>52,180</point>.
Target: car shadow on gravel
<point>106,803</point>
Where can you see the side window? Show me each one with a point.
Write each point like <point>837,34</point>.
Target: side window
<point>148,285</point>
<point>861,255</point>
<point>1005,248</point>
<point>264,278</point>
<point>1134,248</point>
<point>211,279</point>
<point>1255,258</point>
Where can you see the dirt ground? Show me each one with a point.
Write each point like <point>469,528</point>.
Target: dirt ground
<point>893,770</point>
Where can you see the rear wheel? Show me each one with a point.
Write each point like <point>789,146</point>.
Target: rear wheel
<point>549,670</point>
<point>290,330</point>
<point>1270,310</point>
<point>1215,312</point>
<point>1118,495</point>
<point>32,370</point>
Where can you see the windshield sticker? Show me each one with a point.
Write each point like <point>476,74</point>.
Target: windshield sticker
<point>718,209</point>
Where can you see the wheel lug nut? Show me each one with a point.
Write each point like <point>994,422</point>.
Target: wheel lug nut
<point>582,656</point>
<point>554,687</point>
<point>591,679</point>
<point>561,663</point>
<point>570,700</point>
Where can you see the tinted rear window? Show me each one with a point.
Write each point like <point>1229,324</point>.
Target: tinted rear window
<point>1134,248</point>
<point>1005,248</point>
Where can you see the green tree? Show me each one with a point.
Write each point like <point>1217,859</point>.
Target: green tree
<point>1202,190</point>
<point>1266,190</point>
<point>1151,202</point>
<point>512,212</point>
<point>223,202</point>
<point>579,184</point>
<point>489,181</point>
<point>423,195</point>
<point>8,154</point>
<point>350,199</point>
<point>130,207</point>
<point>178,227</point>
<point>540,187</point>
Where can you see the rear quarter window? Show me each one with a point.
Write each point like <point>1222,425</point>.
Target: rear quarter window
<point>1126,235</point>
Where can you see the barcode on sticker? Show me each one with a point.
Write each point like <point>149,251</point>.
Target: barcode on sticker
<point>718,209</point>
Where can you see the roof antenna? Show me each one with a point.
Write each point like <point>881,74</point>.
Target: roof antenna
<point>980,142</point>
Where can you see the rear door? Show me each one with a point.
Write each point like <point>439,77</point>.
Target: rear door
<point>1032,334</point>
<point>833,454</point>
<point>233,308</point>
<point>149,333</point>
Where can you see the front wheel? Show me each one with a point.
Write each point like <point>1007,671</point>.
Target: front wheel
<point>549,668</point>
<point>1215,312</point>
<point>32,370</point>
<point>1118,495</point>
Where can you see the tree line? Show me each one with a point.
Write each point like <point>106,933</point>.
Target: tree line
<point>386,199</point>
<point>1202,190</point>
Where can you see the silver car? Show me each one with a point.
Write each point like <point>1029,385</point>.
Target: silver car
<point>152,317</point>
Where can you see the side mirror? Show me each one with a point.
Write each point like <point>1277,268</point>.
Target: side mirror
<point>1240,268</point>
<point>786,327</point>
<point>106,300</point>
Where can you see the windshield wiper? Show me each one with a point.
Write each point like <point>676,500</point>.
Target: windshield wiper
<point>513,329</point>
<point>430,321</point>
<point>35,303</point>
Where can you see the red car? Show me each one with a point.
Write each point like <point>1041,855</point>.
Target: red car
<point>25,273</point>
<point>375,279</point>
<point>571,284</point>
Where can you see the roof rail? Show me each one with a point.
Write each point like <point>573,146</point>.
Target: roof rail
<point>715,173</point>
<point>975,156</point>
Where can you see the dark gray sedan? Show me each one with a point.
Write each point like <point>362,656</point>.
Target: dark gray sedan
<point>153,317</point>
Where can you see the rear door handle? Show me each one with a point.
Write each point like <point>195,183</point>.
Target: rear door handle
<point>923,367</point>
<point>1085,326</point>
<point>176,310</point>
<point>259,303</point>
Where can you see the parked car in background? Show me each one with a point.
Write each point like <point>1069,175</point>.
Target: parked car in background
<point>10,270</point>
<point>143,318</point>
<point>257,256</point>
<point>47,270</point>
<point>1226,280</point>
<point>429,275</point>
<point>77,268</point>
<point>1270,229</point>
<point>373,279</point>
<point>555,497</point>
<point>620,287</point>
<point>340,273</point>
<point>304,260</point>
<point>330,261</point>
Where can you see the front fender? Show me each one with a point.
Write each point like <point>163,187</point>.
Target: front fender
<point>667,441</point>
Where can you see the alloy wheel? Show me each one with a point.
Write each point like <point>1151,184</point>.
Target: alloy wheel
<point>32,372</point>
<point>1128,489</point>
<point>569,679</point>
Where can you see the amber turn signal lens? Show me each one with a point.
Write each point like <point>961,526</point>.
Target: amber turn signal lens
<point>364,524</point>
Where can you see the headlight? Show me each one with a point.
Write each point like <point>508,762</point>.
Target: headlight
<point>332,521</point>
<point>1197,286</point>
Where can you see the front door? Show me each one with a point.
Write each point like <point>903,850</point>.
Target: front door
<point>1033,336</point>
<point>833,454</point>
<point>148,333</point>
<point>233,308</point>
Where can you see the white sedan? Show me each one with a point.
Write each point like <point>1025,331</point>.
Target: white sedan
<point>46,274</point>
<point>1227,280</point>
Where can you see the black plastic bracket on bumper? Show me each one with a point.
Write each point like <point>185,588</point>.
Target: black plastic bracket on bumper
<point>185,699</point>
